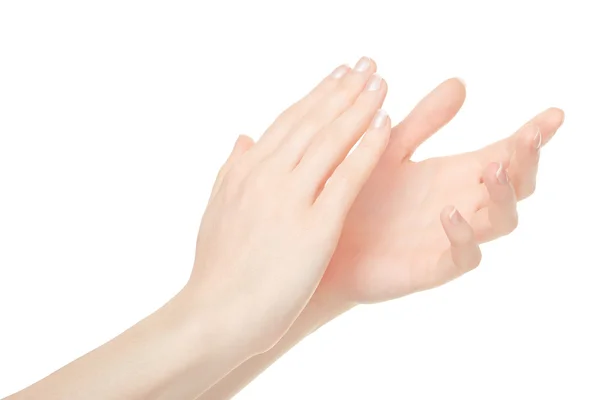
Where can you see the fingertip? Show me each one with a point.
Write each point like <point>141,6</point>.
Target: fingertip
<point>494,174</point>
<point>455,217</point>
<point>462,90</point>
<point>459,86</point>
<point>384,86</point>
<point>562,116</point>
<point>558,115</point>
<point>549,122</point>
<point>339,71</point>
<point>457,229</point>
<point>373,63</point>
<point>381,125</point>
<point>451,218</point>
<point>365,65</point>
<point>446,212</point>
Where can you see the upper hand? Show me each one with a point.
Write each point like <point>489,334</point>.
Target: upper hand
<point>272,225</point>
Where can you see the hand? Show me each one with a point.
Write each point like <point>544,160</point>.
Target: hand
<point>417,225</point>
<point>272,225</point>
<point>399,236</point>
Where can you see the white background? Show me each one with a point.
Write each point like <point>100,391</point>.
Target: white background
<point>116,115</point>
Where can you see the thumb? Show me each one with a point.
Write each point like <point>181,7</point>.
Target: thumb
<point>242,145</point>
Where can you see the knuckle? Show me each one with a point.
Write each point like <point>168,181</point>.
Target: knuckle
<point>340,182</point>
<point>260,179</point>
<point>375,142</point>
<point>342,98</point>
<point>471,262</point>
<point>477,259</point>
<point>255,181</point>
<point>229,187</point>
<point>370,146</point>
<point>329,141</point>
<point>512,222</point>
<point>462,240</point>
<point>528,190</point>
<point>531,188</point>
<point>233,176</point>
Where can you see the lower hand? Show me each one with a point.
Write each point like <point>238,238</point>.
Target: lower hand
<point>417,225</point>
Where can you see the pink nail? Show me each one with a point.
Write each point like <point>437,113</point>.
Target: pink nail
<point>363,64</point>
<point>455,216</point>
<point>379,119</point>
<point>374,83</point>
<point>340,71</point>
<point>537,139</point>
<point>501,174</point>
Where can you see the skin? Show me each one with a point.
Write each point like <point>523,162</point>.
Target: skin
<point>399,238</point>
<point>342,229</point>
<point>268,233</point>
<point>274,193</point>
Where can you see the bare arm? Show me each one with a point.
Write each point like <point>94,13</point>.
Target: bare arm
<point>266,238</point>
<point>143,361</point>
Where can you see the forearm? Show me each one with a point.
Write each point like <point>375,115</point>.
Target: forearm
<point>142,362</point>
<point>318,312</point>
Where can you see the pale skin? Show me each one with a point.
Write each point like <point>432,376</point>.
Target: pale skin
<point>298,231</point>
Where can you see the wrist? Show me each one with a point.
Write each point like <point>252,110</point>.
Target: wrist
<point>322,308</point>
<point>211,327</point>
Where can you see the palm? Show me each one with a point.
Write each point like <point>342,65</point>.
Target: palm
<point>393,241</point>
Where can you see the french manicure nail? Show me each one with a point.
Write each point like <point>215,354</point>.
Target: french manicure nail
<point>374,83</point>
<point>340,71</point>
<point>362,64</point>
<point>501,174</point>
<point>537,139</point>
<point>379,119</point>
<point>454,216</point>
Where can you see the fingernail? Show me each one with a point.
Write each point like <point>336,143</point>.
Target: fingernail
<point>501,174</point>
<point>461,80</point>
<point>455,216</point>
<point>340,71</point>
<point>537,139</point>
<point>379,119</point>
<point>374,83</point>
<point>363,64</point>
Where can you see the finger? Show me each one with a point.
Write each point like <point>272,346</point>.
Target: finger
<point>332,145</point>
<point>464,253</point>
<point>500,216</point>
<point>433,112</point>
<point>291,116</point>
<point>324,112</point>
<point>548,123</point>
<point>347,180</point>
<point>241,146</point>
<point>524,165</point>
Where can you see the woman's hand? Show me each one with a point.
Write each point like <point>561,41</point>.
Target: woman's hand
<point>277,208</point>
<point>417,225</point>
<point>402,233</point>
<point>271,226</point>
